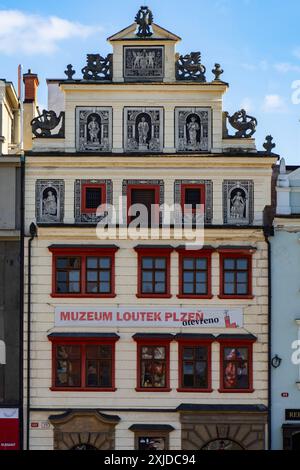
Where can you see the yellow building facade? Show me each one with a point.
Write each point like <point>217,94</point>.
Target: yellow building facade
<point>155,341</point>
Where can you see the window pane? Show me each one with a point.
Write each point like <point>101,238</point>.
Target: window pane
<point>201,263</point>
<point>242,264</point>
<point>74,287</point>
<point>104,275</point>
<point>242,277</point>
<point>160,276</point>
<point>74,275</point>
<point>188,288</point>
<point>188,277</point>
<point>61,276</point>
<point>74,262</point>
<point>188,353</point>
<point>229,277</point>
<point>147,353</point>
<point>92,287</point>
<point>62,263</point>
<point>92,276</point>
<point>229,289</point>
<point>201,289</point>
<point>160,353</point>
<point>147,276</point>
<point>68,368</point>
<point>147,288</point>
<point>188,263</point>
<point>105,288</point>
<point>92,263</point>
<point>242,289</point>
<point>104,263</point>
<point>201,354</point>
<point>160,287</point>
<point>160,263</point>
<point>147,263</point>
<point>201,277</point>
<point>62,288</point>
<point>229,264</point>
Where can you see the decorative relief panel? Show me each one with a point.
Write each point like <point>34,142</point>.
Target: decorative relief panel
<point>143,63</point>
<point>208,196</point>
<point>50,196</point>
<point>93,129</point>
<point>193,129</point>
<point>91,217</point>
<point>238,202</point>
<point>143,129</point>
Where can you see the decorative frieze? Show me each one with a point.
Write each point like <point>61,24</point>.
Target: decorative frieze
<point>83,217</point>
<point>50,197</point>
<point>143,63</point>
<point>238,203</point>
<point>93,129</point>
<point>143,129</point>
<point>193,129</point>
<point>208,217</point>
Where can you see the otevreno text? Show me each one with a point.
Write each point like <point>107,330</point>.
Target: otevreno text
<point>159,317</point>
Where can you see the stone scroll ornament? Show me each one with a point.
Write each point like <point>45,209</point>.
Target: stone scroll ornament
<point>144,20</point>
<point>189,67</point>
<point>243,123</point>
<point>44,124</point>
<point>98,67</point>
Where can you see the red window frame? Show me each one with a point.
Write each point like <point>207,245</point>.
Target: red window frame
<point>195,254</point>
<point>234,254</point>
<point>155,187</point>
<point>146,342</point>
<point>83,253</point>
<point>155,252</point>
<point>192,343</point>
<point>84,187</point>
<point>83,342</point>
<point>245,343</point>
<point>201,187</point>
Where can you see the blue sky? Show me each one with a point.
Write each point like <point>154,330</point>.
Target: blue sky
<point>257,43</point>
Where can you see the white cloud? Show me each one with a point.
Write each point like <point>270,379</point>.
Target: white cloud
<point>34,34</point>
<point>274,104</point>
<point>286,67</point>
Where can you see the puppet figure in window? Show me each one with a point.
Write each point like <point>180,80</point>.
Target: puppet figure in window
<point>236,372</point>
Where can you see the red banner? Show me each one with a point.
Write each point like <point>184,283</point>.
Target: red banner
<point>9,434</point>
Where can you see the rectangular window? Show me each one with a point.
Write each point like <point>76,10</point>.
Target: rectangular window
<point>154,275</point>
<point>83,271</point>
<point>92,196</point>
<point>194,367</point>
<point>148,197</point>
<point>153,271</point>
<point>68,275</point>
<point>236,275</point>
<point>195,273</point>
<point>98,274</point>
<point>81,364</point>
<point>236,367</point>
<point>192,198</point>
<point>153,363</point>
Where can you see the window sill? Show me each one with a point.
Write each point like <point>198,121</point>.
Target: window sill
<point>84,296</point>
<point>66,389</point>
<point>250,390</point>
<point>181,296</point>
<point>238,297</point>
<point>156,390</point>
<point>195,390</point>
<point>154,296</point>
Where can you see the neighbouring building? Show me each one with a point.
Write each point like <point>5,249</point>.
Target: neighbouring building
<point>146,343</point>
<point>286,312</point>
<point>10,195</point>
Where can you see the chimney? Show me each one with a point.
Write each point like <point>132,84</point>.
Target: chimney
<point>31,82</point>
